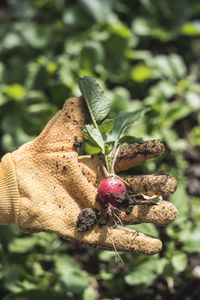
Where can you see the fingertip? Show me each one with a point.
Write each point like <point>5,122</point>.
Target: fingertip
<point>158,214</point>
<point>161,184</point>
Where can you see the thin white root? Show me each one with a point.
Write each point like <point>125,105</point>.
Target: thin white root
<point>116,252</point>
<point>118,218</point>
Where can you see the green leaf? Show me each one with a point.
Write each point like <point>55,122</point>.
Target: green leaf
<point>144,273</point>
<point>98,105</point>
<point>193,100</point>
<point>91,54</point>
<point>22,245</point>
<point>87,148</point>
<point>89,293</point>
<point>177,65</point>
<point>15,91</point>
<point>122,122</point>
<point>105,275</point>
<point>11,40</point>
<point>106,255</point>
<point>176,111</point>
<point>141,73</point>
<point>179,261</point>
<point>192,241</point>
<point>195,136</point>
<point>93,135</point>
<point>106,126</point>
<point>72,277</point>
<point>98,10</point>
<point>191,28</point>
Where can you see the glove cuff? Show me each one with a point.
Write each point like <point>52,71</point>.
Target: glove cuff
<point>9,194</point>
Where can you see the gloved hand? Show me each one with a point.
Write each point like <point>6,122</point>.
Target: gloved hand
<point>44,185</point>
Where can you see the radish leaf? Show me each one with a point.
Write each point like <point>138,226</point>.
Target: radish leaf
<point>94,136</point>
<point>106,126</point>
<point>122,122</point>
<point>98,105</point>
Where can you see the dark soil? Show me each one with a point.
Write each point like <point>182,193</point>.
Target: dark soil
<point>86,219</point>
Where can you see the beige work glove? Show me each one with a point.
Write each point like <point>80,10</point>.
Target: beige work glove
<point>44,185</point>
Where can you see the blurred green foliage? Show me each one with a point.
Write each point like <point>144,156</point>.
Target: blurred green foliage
<point>144,53</point>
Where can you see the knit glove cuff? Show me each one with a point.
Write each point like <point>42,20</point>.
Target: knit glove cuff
<point>9,194</point>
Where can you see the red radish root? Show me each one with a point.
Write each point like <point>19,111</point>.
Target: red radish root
<point>109,189</point>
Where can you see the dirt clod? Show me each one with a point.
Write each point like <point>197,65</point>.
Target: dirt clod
<point>86,219</point>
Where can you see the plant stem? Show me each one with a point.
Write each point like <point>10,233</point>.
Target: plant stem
<point>106,171</point>
<point>116,151</point>
<point>107,163</point>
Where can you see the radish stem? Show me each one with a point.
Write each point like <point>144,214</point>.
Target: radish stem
<point>114,159</point>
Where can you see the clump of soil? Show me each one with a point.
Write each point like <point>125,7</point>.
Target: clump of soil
<point>86,219</point>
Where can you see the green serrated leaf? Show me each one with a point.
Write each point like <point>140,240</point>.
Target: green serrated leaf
<point>98,105</point>
<point>106,126</point>
<point>93,135</point>
<point>122,122</point>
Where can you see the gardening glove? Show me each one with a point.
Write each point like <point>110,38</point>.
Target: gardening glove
<point>44,185</point>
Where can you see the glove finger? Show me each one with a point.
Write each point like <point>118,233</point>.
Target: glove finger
<point>137,153</point>
<point>161,214</point>
<point>119,239</point>
<point>160,184</point>
<point>65,130</point>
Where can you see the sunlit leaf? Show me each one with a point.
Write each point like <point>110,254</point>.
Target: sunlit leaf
<point>179,261</point>
<point>98,105</point>
<point>141,73</point>
<point>15,91</point>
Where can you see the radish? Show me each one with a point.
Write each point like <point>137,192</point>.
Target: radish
<point>109,189</point>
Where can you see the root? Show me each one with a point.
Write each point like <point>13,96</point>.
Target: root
<point>115,249</point>
<point>118,218</point>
